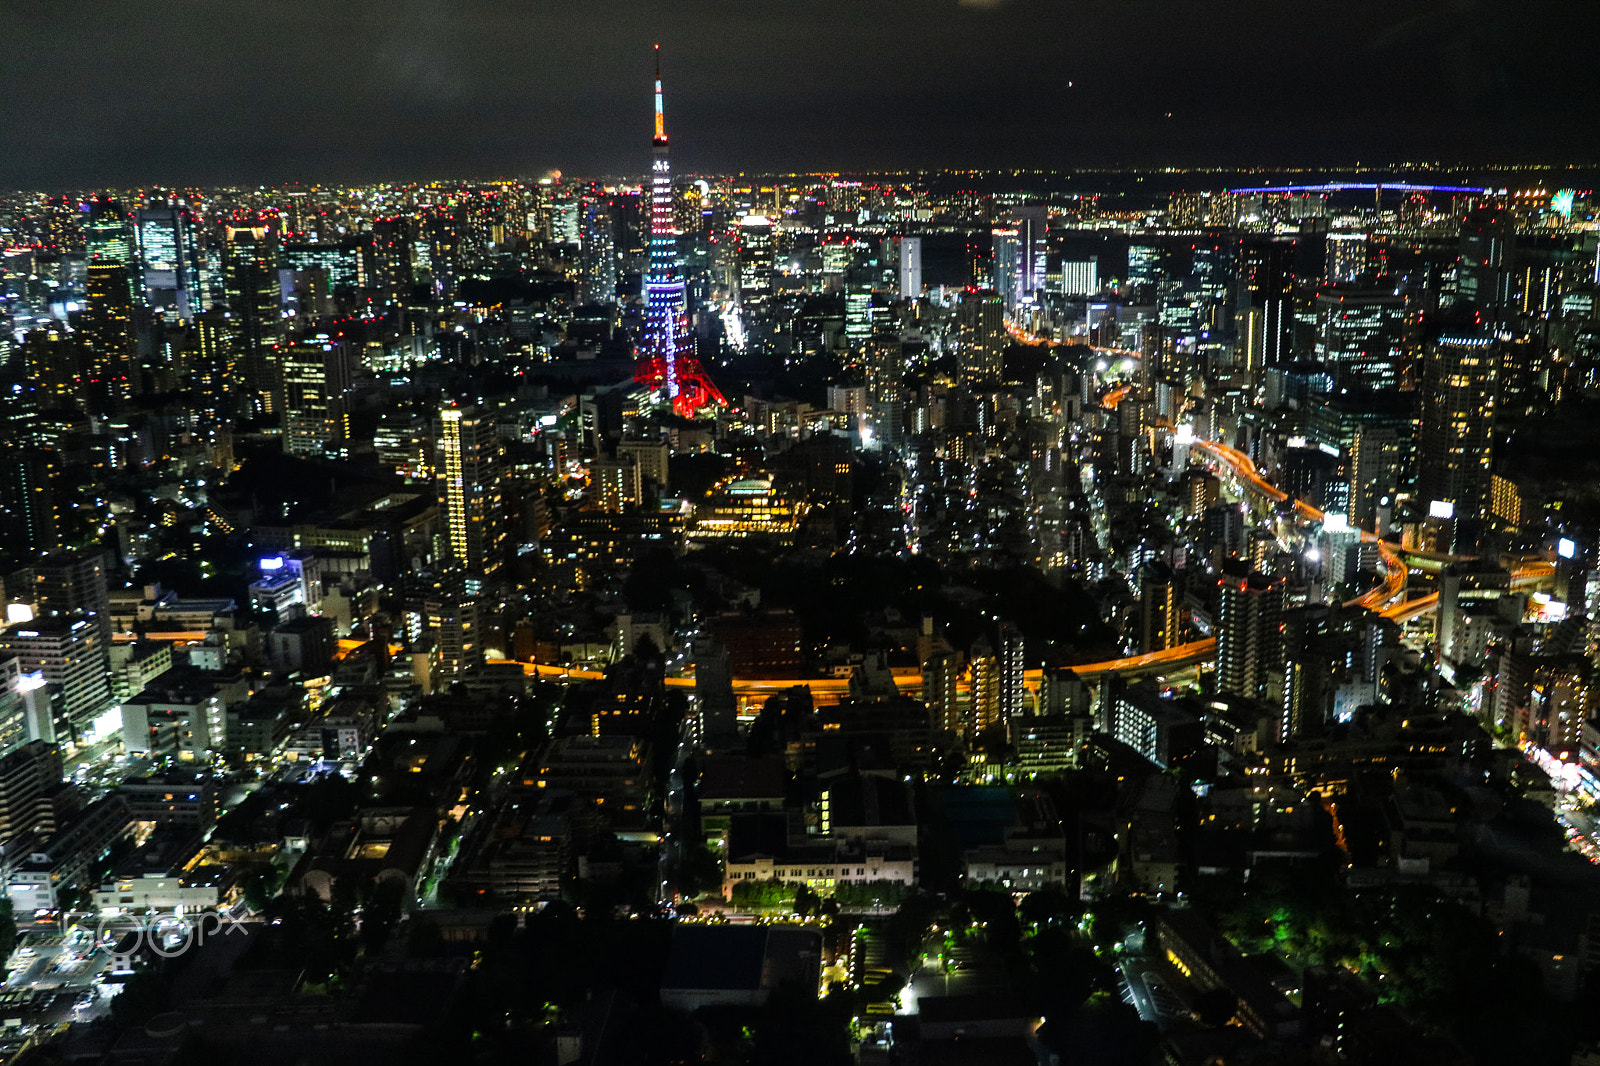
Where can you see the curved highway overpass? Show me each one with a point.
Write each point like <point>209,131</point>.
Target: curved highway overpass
<point>1385,599</point>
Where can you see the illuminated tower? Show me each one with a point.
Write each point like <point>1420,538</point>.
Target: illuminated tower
<point>666,361</point>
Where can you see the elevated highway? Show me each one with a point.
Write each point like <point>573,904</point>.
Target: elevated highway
<point>1387,599</point>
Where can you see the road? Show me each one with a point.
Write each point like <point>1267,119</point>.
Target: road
<point>1386,599</point>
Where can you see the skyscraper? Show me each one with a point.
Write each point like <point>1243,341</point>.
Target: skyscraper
<point>1158,607</point>
<point>1011,659</point>
<point>910,267</point>
<point>940,674</point>
<point>982,335</point>
<point>107,236</point>
<point>1019,255</point>
<point>666,359</point>
<point>1455,442</point>
<point>598,249</point>
<point>168,261</point>
<point>1265,281</point>
<point>250,282</point>
<point>467,468</point>
<point>108,338</point>
<point>756,261</point>
<point>1247,632</point>
<point>315,376</point>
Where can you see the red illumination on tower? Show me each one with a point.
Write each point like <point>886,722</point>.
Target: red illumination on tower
<point>666,358</point>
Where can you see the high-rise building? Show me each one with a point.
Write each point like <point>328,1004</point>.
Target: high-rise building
<point>713,689</point>
<point>30,515</point>
<point>909,268</point>
<point>107,236</point>
<point>467,468</point>
<point>983,688</point>
<point>940,676</point>
<point>981,336</point>
<point>1011,661</point>
<point>251,289</point>
<point>24,707</point>
<point>1265,300</point>
<point>31,779</point>
<point>1359,336</point>
<point>1455,441</point>
<point>108,338</point>
<point>315,378</point>
<point>1019,255</point>
<point>455,617</point>
<point>666,359</point>
<point>597,249</point>
<point>1080,277</point>
<point>391,250</point>
<point>757,261</point>
<point>73,584</point>
<point>71,658</point>
<point>1248,641</point>
<point>1465,586</point>
<point>1159,601</point>
<point>168,255</point>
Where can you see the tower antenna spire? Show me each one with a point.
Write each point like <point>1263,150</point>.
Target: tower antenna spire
<point>661,120</point>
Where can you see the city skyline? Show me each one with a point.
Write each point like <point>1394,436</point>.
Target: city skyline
<point>1093,615</point>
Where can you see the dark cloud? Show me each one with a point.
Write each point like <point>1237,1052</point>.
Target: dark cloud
<point>182,91</point>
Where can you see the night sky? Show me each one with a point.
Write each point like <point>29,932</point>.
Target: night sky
<point>125,92</point>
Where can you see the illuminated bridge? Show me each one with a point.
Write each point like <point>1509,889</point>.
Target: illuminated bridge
<point>1360,186</point>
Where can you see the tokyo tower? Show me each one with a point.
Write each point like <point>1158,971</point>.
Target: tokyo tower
<point>667,364</point>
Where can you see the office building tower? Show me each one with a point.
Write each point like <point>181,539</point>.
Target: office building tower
<point>1359,337</point>
<point>1160,621</point>
<point>1080,277</point>
<point>983,689</point>
<point>1265,300</point>
<point>72,584</point>
<point>24,707</point>
<point>70,656</point>
<point>168,258</point>
<point>1019,255</point>
<point>1337,546</point>
<point>391,251</point>
<point>1455,440</point>
<point>858,306</point>
<point>615,484</point>
<point>981,336</point>
<point>314,377</point>
<point>251,290</point>
<point>31,793</point>
<point>1347,256</point>
<point>1465,587</point>
<point>108,238</point>
<point>467,469</point>
<point>597,279</point>
<point>713,690</point>
<point>940,676</point>
<point>1248,641</point>
<point>757,262</point>
<point>30,516</point>
<point>1485,268</point>
<point>1011,663</point>
<point>667,364</point>
<point>455,617</point>
<point>110,350</point>
<point>909,267</point>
